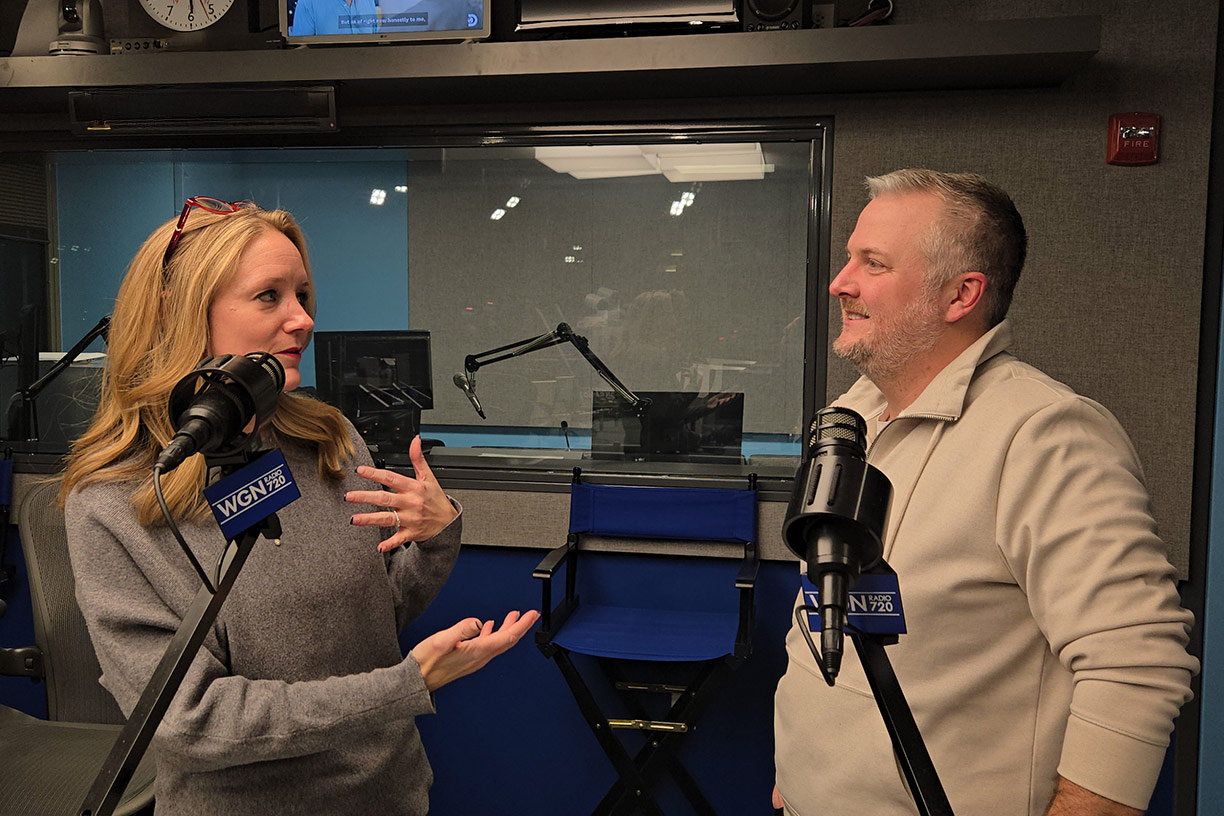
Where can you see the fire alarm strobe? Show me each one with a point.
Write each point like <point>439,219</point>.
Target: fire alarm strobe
<point>1134,138</point>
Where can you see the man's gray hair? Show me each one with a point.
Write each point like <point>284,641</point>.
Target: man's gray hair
<point>980,230</point>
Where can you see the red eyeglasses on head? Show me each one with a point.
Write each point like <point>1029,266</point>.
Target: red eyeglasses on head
<point>212,205</point>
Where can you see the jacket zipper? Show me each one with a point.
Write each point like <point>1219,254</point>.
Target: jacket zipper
<point>943,417</point>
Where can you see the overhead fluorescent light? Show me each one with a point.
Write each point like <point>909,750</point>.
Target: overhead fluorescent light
<point>676,162</point>
<point>739,161</point>
<point>596,161</point>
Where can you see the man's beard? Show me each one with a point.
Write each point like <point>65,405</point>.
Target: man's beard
<point>894,341</point>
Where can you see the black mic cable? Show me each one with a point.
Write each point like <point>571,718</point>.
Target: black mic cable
<point>174,530</point>
<point>835,521</point>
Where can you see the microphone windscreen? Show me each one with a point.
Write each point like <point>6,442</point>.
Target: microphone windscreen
<point>221,396</point>
<point>837,423</point>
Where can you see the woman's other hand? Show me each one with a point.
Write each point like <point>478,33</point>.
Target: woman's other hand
<point>468,646</point>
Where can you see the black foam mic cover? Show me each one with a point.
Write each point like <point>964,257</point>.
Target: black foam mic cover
<point>212,406</point>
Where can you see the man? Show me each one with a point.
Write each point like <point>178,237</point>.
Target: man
<point>1045,660</point>
<point>320,17</point>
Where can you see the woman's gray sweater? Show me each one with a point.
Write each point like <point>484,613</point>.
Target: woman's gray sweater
<point>300,701</point>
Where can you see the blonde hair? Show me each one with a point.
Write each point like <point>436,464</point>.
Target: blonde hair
<point>159,333</point>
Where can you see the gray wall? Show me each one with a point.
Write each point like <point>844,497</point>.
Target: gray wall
<point>1109,301</point>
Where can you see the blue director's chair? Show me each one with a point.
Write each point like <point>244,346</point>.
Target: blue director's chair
<point>669,638</point>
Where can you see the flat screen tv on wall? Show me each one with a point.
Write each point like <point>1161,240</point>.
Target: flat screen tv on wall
<point>309,22</point>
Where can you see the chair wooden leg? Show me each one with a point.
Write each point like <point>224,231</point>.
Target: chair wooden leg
<point>688,786</point>
<point>661,759</point>
<point>660,753</point>
<point>630,777</point>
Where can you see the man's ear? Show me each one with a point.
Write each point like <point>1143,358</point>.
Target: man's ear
<point>965,295</point>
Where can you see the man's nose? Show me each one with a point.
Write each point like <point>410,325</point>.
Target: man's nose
<point>843,283</point>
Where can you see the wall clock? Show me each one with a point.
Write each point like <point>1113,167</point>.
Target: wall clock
<point>186,15</point>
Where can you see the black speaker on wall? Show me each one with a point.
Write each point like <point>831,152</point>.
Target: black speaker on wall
<point>785,15</point>
<point>774,15</point>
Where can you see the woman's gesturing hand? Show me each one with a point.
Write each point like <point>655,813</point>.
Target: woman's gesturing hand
<point>415,505</point>
<point>468,646</point>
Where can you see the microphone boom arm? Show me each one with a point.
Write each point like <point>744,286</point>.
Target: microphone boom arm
<point>562,334</point>
<point>22,416</point>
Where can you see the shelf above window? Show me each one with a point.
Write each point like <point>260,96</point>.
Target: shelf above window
<point>1040,52</point>
<point>1001,53</point>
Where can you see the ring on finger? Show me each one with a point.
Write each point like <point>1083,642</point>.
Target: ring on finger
<point>398,523</point>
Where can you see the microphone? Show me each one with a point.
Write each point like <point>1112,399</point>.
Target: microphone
<point>469,389</point>
<point>212,405</point>
<point>835,520</point>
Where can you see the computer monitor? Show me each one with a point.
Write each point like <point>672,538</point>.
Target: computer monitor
<point>380,380</point>
<point>676,426</point>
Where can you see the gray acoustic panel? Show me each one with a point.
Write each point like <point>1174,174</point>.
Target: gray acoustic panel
<point>1109,300</point>
<point>509,518</point>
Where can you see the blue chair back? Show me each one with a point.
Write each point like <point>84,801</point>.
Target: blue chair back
<point>674,513</point>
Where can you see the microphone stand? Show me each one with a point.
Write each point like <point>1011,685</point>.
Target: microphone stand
<point>22,415</point>
<point>907,742</point>
<point>916,764</point>
<point>835,522</point>
<point>134,738</point>
<point>562,334</point>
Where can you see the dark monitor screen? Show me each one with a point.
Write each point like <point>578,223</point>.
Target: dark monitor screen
<point>675,426</point>
<point>380,380</point>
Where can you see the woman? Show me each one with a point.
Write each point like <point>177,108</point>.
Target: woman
<point>299,700</point>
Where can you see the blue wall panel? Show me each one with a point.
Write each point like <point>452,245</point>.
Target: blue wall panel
<point>1211,724</point>
<point>17,630</point>
<point>510,740</point>
<point>108,205</point>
